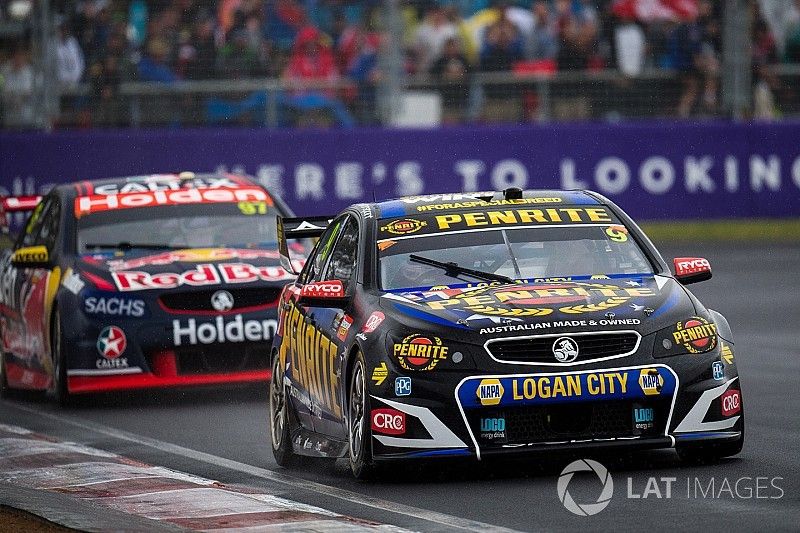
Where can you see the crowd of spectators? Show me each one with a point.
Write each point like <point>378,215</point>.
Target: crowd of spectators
<point>106,42</point>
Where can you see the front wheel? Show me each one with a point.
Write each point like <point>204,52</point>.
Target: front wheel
<point>358,429</point>
<point>279,418</point>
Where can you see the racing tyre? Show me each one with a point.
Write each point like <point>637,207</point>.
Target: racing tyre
<point>358,428</point>
<point>59,391</point>
<point>5,390</point>
<point>279,418</point>
<point>713,452</point>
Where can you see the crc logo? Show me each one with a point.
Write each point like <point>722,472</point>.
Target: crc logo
<point>111,342</point>
<point>222,301</point>
<point>565,350</point>
<point>490,391</point>
<point>731,403</point>
<point>650,381</point>
<point>388,421</point>
<point>585,509</point>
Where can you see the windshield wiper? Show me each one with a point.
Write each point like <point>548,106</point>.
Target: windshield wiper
<point>454,269</point>
<point>125,245</point>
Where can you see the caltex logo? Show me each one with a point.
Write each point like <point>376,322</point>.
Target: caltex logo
<point>112,342</point>
<point>591,508</point>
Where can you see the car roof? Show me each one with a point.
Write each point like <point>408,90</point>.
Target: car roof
<point>187,178</point>
<point>455,202</point>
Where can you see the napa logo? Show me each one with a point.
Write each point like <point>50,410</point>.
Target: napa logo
<point>651,381</point>
<point>490,391</point>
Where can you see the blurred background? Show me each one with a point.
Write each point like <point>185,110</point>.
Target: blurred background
<point>691,102</point>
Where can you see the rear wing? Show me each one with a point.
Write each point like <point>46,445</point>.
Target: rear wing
<point>298,228</point>
<point>17,204</point>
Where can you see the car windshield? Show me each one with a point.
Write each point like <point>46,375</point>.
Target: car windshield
<point>188,226</point>
<point>520,251</point>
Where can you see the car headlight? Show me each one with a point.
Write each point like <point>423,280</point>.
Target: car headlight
<point>693,335</point>
<point>420,352</point>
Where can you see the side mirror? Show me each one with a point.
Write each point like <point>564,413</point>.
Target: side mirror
<point>31,257</point>
<point>329,293</point>
<point>691,269</point>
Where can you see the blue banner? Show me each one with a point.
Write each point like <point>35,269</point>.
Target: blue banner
<point>653,170</point>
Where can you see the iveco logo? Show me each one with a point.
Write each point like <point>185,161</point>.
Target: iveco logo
<point>565,350</point>
<point>222,301</point>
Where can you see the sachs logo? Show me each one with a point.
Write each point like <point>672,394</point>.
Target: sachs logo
<point>490,391</point>
<point>651,381</point>
<point>404,226</point>
<point>416,352</point>
<point>696,335</point>
<point>222,301</point>
<point>565,350</point>
<point>111,342</point>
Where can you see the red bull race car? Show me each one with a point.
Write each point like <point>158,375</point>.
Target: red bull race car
<point>492,324</point>
<point>147,281</point>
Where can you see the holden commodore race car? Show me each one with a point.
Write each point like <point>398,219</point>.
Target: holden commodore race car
<point>491,324</point>
<point>147,281</point>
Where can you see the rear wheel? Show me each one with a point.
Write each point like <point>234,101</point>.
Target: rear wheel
<point>358,430</point>
<point>60,390</point>
<point>5,390</point>
<point>279,417</point>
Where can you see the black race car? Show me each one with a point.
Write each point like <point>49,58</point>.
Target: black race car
<point>496,323</point>
<point>147,281</point>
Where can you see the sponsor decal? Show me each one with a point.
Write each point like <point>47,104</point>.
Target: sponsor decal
<point>344,327</point>
<point>718,370</point>
<point>731,402</point>
<point>220,330</point>
<point>203,274</point>
<point>493,429</point>
<point>114,306</point>
<point>696,335</point>
<point>193,255</point>
<point>388,421</point>
<point>490,391</point>
<point>165,182</point>
<point>402,386</point>
<point>565,350</point>
<point>510,217</point>
<point>111,344</point>
<point>650,381</point>
<point>417,352</point>
<point>311,355</point>
<point>372,323</point>
<point>727,354</point>
<point>72,282</point>
<point>526,300</point>
<point>561,324</point>
<point>222,301</point>
<point>380,373</point>
<point>331,289</point>
<point>685,266</point>
<point>97,203</point>
<point>539,389</point>
<point>617,233</point>
<point>644,417</point>
<point>385,245</point>
<point>404,226</point>
<point>484,204</point>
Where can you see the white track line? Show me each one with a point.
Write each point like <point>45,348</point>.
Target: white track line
<point>264,473</point>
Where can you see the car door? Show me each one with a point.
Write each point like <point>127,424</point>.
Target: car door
<point>304,338</point>
<point>32,291</point>
<point>338,321</point>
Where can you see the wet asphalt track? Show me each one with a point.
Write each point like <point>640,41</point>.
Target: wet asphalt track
<point>756,287</point>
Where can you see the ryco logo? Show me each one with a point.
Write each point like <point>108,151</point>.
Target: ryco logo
<point>331,289</point>
<point>388,421</point>
<point>585,509</point>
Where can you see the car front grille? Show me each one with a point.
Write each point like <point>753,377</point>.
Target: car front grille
<point>572,421</point>
<point>540,349</point>
<point>200,301</point>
